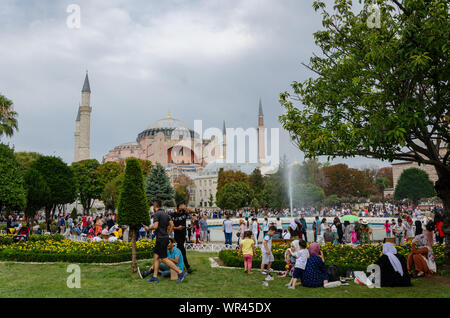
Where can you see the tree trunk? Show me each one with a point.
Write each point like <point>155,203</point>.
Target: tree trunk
<point>133,250</point>
<point>442,187</point>
<point>47,218</point>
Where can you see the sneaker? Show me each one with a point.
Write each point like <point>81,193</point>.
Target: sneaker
<point>181,277</point>
<point>153,280</point>
<point>140,273</point>
<point>270,269</point>
<point>189,270</point>
<point>287,285</point>
<point>262,273</point>
<point>268,277</point>
<point>291,287</point>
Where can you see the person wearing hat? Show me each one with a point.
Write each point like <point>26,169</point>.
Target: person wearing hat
<point>366,232</point>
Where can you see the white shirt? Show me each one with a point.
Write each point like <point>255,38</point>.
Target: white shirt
<point>302,258</point>
<point>279,225</point>
<point>293,225</point>
<point>96,239</point>
<point>287,236</point>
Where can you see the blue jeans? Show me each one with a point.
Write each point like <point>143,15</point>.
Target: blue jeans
<point>228,238</point>
<point>399,240</point>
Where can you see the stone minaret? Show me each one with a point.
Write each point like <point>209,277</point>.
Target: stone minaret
<point>224,143</point>
<point>261,135</point>
<point>84,123</point>
<point>77,136</point>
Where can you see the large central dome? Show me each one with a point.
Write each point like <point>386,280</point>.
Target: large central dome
<point>170,123</point>
<point>167,126</point>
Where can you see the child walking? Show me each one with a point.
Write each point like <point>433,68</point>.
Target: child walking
<point>266,250</point>
<point>302,256</point>
<point>247,248</point>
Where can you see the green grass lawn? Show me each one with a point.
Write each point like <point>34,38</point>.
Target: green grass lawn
<point>29,280</point>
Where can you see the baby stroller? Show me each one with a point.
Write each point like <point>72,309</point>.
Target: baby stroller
<point>22,235</point>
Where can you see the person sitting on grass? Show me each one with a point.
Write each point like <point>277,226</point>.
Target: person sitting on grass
<point>247,248</point>
<point>315,274</point>
<point>421,257</point>
<point>266,250</point>
<point>301,256</point>
<point>174,254</point>
<point>289,258</point>
<point>163,226</point>
<point>393,268</point>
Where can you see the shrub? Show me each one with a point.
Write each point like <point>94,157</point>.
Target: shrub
<point>344,257</point>
<point>55,248</point>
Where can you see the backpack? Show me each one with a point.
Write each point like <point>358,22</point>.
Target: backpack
<point>333,273</point>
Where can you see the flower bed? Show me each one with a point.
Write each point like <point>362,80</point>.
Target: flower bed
<point>344,257</point>
<point>55,248</point>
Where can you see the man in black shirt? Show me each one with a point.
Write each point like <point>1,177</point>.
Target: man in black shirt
<point>162,225</point>
<point>179,220</point>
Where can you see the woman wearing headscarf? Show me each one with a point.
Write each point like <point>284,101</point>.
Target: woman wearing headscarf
<point>421,257</point>
<point>315,274</point>
<point>393,268</point>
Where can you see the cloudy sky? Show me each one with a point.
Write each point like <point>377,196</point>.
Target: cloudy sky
<point>202,59</point>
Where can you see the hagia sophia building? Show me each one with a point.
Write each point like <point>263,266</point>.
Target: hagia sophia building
<point>157,144</point>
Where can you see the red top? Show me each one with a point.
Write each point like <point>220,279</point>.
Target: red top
<point>439,228</point>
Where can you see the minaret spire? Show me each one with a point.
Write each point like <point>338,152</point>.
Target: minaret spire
<point>86,86</point>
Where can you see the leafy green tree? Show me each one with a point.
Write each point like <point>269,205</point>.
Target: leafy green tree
<point>8,117</point>
<point>211,200</point>
<point>332,200</point>
<point>89,184</point>
<point>111,191</point>
<point>414,184</point>
<point>307,194</point>
<point>157,186</point>
<point>107,171</point>
<point>74,214</point>
<point>234,196</point>
<point>25,159</point>
<point>378,92</point>
<point>229,176</point>
<point>38,194</point>
<point>133,208</point>
<point>12,191</point>
<point>61,181</point>
<point>181,195</point>
<point>256,181</point>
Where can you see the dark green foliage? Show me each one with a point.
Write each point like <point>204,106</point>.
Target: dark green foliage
<point>307,194</point>
<point>59,178</point>
<point>111,191</point>
<point>12,191</point>
<point>133,207</point>
<point>74,214</point>
<point>89,182</point>
<point>414,184</point>
<point>157,186</point>
<point>25,159</point>
<point>234,195</point>
<point>38,193</point>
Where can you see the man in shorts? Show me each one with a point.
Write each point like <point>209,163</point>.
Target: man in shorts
<point>162,225</point>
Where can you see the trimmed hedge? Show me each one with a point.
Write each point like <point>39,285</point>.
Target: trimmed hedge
<point>55,248</point>
<point>27,256</point>
<point>232,260</point>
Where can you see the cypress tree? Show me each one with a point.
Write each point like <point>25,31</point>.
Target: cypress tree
<point>157,186</point>
<point>133,208</point>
